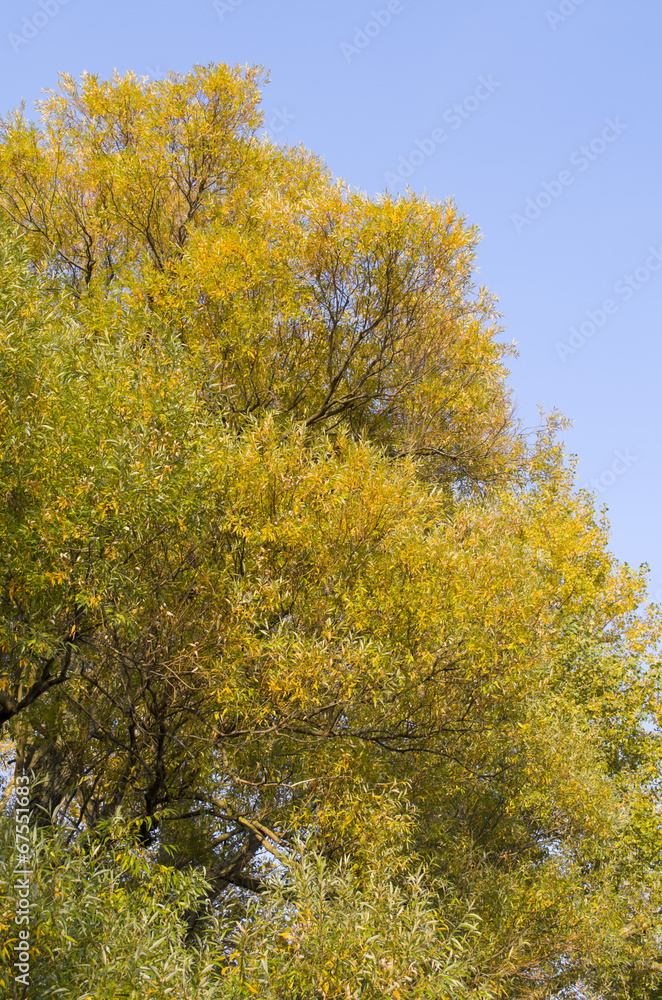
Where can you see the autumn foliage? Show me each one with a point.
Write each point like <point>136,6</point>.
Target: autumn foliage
<point>317,661</point>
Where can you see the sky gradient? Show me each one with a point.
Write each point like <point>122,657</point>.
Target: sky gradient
<point>541,118</point>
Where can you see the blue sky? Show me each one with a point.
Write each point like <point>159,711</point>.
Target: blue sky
<point>540,117</point>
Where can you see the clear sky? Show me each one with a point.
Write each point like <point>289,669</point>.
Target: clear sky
<point>540,117</point>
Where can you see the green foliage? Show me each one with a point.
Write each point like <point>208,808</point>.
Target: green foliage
<point>328,931</point>
<point>107,921</point>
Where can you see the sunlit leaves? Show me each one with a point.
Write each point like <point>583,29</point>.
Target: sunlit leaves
<point>275,563</point>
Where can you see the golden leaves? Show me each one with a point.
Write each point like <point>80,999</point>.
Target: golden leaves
<point>263,489</point>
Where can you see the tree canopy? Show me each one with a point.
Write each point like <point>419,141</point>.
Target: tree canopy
<point>296,626</point>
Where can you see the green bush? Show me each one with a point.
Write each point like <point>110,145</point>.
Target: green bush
<point>109,923</point>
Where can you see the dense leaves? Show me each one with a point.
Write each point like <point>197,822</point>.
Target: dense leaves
<point>309,299</point>
<point>284,589</point>
<point>109,922</point>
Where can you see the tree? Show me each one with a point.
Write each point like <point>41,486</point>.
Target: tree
<point>306,298</point>
<point>277,564</point>
<point>107,918</point>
